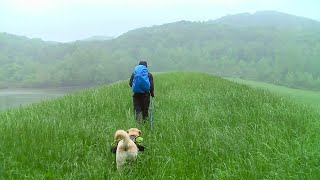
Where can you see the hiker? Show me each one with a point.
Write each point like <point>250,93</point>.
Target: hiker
<point>142,85</point>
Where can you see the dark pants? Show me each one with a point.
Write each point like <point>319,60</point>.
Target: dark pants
<point>141,105</point>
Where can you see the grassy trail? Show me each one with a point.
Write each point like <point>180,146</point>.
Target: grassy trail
<point>204,127</point>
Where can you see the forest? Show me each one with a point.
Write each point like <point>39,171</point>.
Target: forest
<point>265,46</point>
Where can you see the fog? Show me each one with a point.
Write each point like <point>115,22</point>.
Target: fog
<point>65,21</point>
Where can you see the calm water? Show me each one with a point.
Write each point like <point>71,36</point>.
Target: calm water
<point>10,98</point>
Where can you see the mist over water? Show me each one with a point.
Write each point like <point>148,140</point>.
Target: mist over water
<point>12,98</point>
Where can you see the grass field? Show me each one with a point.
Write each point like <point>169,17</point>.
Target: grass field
<point>303,96</point>
<point>204,127</point>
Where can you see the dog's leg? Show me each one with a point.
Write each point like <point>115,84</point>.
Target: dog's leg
<point>120,160</point>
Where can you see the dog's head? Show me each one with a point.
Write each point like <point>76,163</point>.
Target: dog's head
<point>134,132</point>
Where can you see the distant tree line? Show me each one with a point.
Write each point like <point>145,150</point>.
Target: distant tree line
<point>283,55</point>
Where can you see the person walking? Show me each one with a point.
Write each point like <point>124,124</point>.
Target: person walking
<point>141,82</point>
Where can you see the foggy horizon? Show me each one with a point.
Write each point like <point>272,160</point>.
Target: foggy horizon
<point>73,20</point>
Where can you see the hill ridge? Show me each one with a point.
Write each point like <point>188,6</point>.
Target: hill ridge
<point>204,127</point>
<point>268,18</point>
<point>284,53</point>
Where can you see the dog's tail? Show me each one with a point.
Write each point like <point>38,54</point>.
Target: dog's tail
<point>125,137</point>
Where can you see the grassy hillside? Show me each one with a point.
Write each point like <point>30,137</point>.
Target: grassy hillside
<point>265,46</point>
<point>205,127</point>
<point>303,96</point>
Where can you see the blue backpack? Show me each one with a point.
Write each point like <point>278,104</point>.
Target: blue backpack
<point>141,83</point>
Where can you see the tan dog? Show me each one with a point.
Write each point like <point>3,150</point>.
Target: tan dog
<point>126,149</point>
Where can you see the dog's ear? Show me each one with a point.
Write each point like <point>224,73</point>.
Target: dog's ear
<point>140,132</point>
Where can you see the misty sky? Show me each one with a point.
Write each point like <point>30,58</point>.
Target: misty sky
<point>69,20</point>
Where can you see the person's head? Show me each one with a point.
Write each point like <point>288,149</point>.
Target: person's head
<point>143,63</point>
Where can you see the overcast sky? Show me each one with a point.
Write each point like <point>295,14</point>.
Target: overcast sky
<point>69,20</point>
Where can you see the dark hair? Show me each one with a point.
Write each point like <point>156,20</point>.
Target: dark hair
<point>143,63</point>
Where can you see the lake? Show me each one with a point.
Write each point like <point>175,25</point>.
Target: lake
<point>10,98</point>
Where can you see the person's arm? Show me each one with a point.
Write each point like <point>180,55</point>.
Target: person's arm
<point>131,80</point>
<point>151,84</point>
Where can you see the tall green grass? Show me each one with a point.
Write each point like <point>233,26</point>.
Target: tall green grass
<point>307,97</point>
<point>204,127</point>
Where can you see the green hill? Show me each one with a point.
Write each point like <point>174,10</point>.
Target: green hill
<point>311,98</point>
<point>204,127</point>
<point>268,18</point>
<point>265,46</point>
